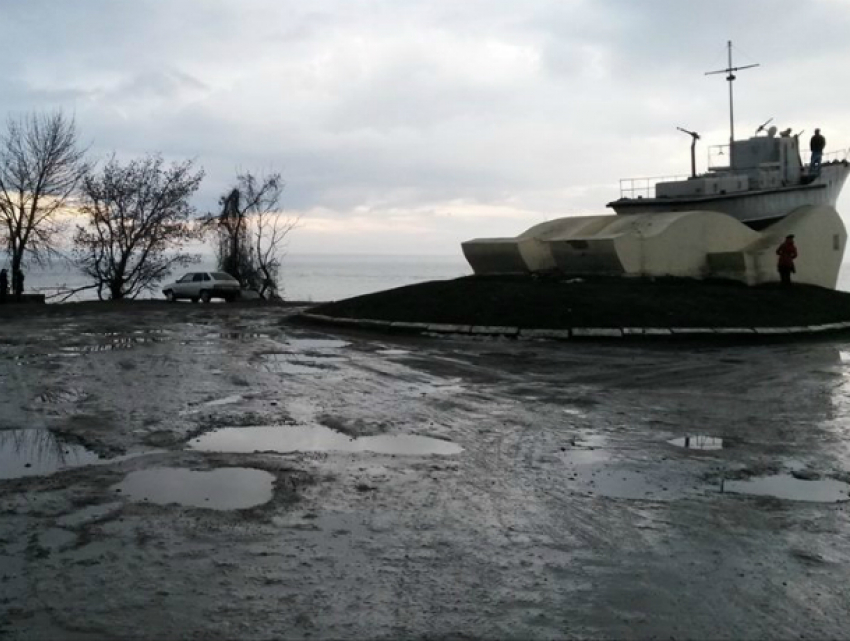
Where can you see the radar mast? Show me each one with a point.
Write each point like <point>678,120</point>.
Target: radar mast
<point>730,76</point>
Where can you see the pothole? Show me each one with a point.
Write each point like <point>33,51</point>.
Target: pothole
<point>698,442</point>
<point>38,452</point>
<point>216,402</point>
<point>317,438</point>
<point>316,344</point>
<point>786,486</point>
<point>226,488</point>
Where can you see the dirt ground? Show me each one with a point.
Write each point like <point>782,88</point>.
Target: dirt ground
<point>560,301</point>
<point>569,513</point>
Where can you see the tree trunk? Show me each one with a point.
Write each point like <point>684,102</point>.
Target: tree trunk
<point>17,257</point>
<point>116,290</point>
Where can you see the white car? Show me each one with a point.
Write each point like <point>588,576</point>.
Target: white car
<point>203,286</point>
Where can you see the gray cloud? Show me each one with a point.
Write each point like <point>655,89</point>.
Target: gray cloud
<point>404,109</point>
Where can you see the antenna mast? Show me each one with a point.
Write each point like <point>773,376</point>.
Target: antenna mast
<point>729,70</point>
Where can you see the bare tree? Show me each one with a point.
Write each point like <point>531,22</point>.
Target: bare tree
<point>252,231</point>
<point>138,222</point>
<point>269,230</point>
<point>40,168</point>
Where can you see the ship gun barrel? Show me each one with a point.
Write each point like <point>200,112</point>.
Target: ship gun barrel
<point>694,137</point>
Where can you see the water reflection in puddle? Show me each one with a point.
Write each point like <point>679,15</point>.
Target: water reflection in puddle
<point>38,452</point>
<point>579,456</point>
<point>698,442</point>
<point>316,344</point>
<point>785,486</point>
<point>317,438</point>
<point>216,402</point>
<point>590,468</point>
<point>227,400</point>
<point>228,488</point>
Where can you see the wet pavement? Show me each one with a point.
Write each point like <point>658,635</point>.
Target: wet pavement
<point>218,472</point>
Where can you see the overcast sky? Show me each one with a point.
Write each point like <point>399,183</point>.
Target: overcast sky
<point>407,127</point>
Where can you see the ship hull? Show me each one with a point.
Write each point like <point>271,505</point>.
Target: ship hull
<point>756,208</point>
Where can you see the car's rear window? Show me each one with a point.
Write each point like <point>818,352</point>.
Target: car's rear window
<point>221,276</point>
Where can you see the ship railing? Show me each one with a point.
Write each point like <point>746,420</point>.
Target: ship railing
<point>718,157</point>
<point>833,156</point>
<point>644,187</point>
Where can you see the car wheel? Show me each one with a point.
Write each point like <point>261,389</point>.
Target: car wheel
<point>205,296</point>
<point>170,297</point>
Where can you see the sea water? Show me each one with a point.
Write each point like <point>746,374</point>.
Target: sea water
<point>315,277</point>
<point>306,277</point>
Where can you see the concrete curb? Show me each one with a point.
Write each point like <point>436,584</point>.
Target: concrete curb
<point>574,332</point>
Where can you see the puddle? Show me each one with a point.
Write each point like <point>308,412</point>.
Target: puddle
<point>317,438</point>
<point>630,485</point>
<point>572,411</point>
<point>580,456</point>
<point>38,452</point>
<point>237,336</point>
<point>227,400</point>
<point>226,488</point>
<point>448,386</point>
<point>698,442</point>
<point>216,402</point>
<point>590,468</point>
<point>159,332</point>
<point>316,344</point>
<point>392,352</point>
<point>785,486</point>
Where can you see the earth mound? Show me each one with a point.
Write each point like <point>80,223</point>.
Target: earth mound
<point>605,302</point>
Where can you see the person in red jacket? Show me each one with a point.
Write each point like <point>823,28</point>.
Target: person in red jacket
<point>787,252</point>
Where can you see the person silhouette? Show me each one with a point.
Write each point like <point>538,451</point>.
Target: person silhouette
<point>816,144</point>
<point>787,252</point>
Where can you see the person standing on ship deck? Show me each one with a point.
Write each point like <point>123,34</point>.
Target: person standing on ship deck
<point>787,252</point>
<point>816,144</point>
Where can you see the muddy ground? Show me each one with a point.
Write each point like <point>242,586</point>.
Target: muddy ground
<point>570,512</point>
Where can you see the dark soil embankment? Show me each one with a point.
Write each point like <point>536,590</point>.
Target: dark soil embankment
<point>527,302</point>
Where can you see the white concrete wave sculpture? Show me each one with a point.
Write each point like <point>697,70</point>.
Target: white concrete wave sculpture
<point>694,244</point>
